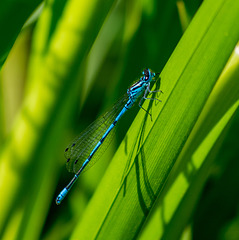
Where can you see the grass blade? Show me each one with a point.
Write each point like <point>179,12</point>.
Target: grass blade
<point>119,207</point>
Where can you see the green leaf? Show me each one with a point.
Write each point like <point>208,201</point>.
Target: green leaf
<point>13,15</point>
<point>28,161</point>
<point>181,193</point>
<point>153,183</point>
<point>144,161</point>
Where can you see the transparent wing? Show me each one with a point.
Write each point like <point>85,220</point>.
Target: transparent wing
<point>81,147</point>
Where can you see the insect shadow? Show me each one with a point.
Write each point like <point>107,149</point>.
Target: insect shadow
<point>139,162</point>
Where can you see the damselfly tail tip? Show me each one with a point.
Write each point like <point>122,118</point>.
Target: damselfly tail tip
<point>61,196</point>
<point>58,201</point>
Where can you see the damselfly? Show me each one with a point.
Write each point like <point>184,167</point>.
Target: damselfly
<point>86,148</point>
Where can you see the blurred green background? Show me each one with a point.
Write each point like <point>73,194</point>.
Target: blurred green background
<point>63,63</point>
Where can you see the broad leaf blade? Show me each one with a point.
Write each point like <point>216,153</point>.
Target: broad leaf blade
<point>120,207</point>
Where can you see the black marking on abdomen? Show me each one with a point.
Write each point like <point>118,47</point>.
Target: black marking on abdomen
<point>102,139</point>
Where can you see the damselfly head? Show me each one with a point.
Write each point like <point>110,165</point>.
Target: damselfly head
<point>148,74</point>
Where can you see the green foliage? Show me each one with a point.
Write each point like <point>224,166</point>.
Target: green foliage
<point>82,56</point>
